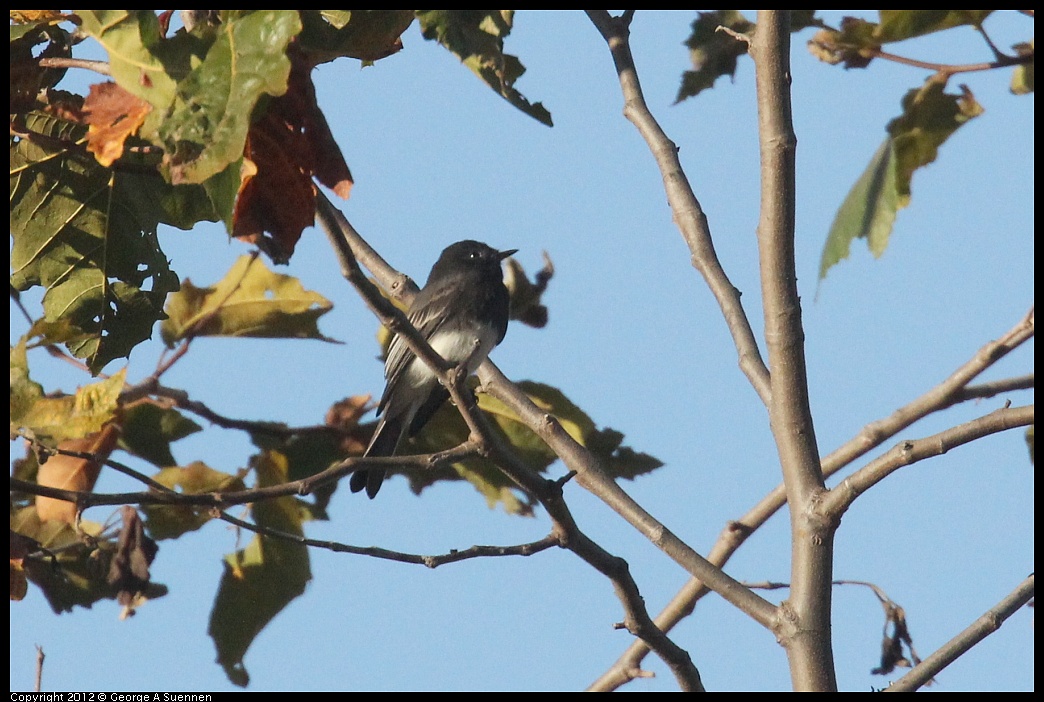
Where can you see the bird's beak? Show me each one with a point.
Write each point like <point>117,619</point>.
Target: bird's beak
<point>501,255</point>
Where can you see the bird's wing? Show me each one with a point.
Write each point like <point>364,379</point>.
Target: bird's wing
<point>424,316</point>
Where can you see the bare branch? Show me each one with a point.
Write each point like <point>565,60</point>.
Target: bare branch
<point>101,67</point>
<point>348,244</point>
<point>180,398</point>
<point>591,475</point>
<point>304,486</point>
<point>736,532</point>
<point>686,209</point>
<point>807,611</point>
<point>906,453</point>
<point>942,395</point>
<point>398,556</point>
<point>982,627</point>
<point>992,389</point>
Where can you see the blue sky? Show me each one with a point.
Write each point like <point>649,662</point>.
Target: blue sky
<point>637,341</point>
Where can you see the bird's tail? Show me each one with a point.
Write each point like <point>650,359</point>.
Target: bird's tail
<point>384,442</point>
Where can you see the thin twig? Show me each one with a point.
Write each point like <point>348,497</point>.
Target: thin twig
<point>101,67</point>
<point>39,667</point>
<point>435,561</point>
<point>992,389</point>
<point>180,398</point>
<point>304,486</point>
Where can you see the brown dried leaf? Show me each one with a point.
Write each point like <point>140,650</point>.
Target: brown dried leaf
<point>129,568</point>
<point>21,546</point>
<point>73,473</point>
<point>344,415</point>
<point>287,147</point>
<point>113,115</point>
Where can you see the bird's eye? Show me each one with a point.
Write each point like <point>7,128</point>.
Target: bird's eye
<point>474,255</point>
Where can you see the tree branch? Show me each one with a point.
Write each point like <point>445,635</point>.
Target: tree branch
<point>992,389</point>
<point>164,496</point>
<point>398,556</point>
<point>591,475</point>
<point>954,389</point>
<point>982,627</point>
<point>909,452</point>
<point>348,244</point>
<point>686,209</point>
<point>180,398</point>
<point>805,630</point>
<point>942,395</point>
<point>101,67</point>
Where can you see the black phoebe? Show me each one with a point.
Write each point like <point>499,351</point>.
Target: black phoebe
<point>463,313</point>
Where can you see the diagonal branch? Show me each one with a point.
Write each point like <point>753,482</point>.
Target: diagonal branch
<point>591,475</point>
<point>909,452</point>
<point>954,389</point>
<point>982,627</point>
<point>942,395</point>
<point>348,244</point>
<point>686,209</point>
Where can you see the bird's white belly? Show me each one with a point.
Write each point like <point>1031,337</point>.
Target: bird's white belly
<point>455,347</point>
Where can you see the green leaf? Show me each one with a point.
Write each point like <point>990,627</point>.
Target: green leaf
<point>222,189</point>
<point>477,38</point>
<point>447,429</point>
<point>206,126</point>
<point>203,85</point>
<point>306,454</point>
<point>260,580</point>
<point>250,300</point>
<point>104,273</point>
<point>620,461</point>
<point>367,35</point>
<point>54,419</point>
<point>1022,76</point>
<point>929,118</point>
<point>24,391</point>
<point>171,521</point>
<point>900,25</point>
<point>868,211</point>
<point>141,60</point>
<point>148,431</point>
<point>606,444</point>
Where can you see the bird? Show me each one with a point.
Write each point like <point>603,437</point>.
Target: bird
<point>462,311</point>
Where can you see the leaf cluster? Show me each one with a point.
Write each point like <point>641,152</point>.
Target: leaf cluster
<point>215,120</point>
<point>929,114</point>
